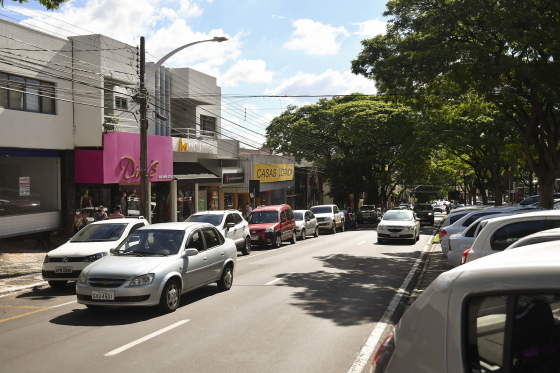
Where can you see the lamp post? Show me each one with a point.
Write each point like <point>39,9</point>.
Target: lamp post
<point>145,77</point>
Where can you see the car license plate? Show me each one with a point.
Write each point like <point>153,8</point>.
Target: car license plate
<point>394,235</point>
<point>103,295</point>
<point>62,269</point>
<point>366,214</point>
<point>255,238</point>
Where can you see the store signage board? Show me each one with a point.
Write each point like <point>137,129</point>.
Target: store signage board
<point>233,178</point>
<point>203,146</point>
<point>267,173</point>
<point>24,186</point>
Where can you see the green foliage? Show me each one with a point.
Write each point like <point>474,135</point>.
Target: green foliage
<point>49,4</point>
<point>111,123</point>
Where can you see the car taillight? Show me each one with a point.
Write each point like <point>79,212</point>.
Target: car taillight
<point>464,256</point>
<point>442,232</point>
<point>383,355</point>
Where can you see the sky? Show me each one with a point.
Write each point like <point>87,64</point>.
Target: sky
<point>286,47</point>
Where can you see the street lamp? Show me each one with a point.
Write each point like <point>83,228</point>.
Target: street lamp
<point>146,76</point>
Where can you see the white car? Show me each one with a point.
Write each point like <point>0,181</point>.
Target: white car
<point>498,314</point>
<point>329,217</point>
<point>93,242</point>
<point>398,225</point>
<point>306,223</point>
<point>499,233</point>
<point>230,224</point>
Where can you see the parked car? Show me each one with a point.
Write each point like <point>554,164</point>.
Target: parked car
<point>230,224</point>
<point>439,208</point>
<point>498,314</point>
<point>90,244</point>
<point>548,235</point>
<point>398,225</point>
<point>424,212</point>
<point>306,223</point>
<point>158,263</point>
<point>329,217</point>
<point>366,213</point>
<point>404,206</point>
<point>535,199</point>
<point>499,233</point>
<point>270,225</point>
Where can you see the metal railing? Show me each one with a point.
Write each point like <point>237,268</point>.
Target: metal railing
<point>193,133</point>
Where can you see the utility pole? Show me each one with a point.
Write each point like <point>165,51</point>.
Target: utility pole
<point>145,197</point>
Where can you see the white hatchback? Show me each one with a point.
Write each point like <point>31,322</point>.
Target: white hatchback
<point>93,242</point>
<point>398,224</point>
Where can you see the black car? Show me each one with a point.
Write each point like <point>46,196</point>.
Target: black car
<point>424,212</point>
<point>366,213</point>
<point>535,199</point>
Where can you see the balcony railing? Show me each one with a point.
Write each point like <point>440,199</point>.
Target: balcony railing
<point>192,133</point>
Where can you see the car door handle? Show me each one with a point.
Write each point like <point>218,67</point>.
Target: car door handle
<point>223,253</point>
<point>206,258</point>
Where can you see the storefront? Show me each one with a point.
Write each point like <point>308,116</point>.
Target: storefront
<point>111,176</point>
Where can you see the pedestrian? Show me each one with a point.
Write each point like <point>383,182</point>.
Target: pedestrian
<point>117,214</point>
<point>80,221</point>
<point>248,210</point>
<point>240,209</point>
<point>446,209</point>
<point>100,215</point>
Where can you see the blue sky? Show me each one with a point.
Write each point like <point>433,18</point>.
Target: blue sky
<point>285,47</point>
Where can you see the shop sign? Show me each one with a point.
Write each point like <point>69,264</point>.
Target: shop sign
<point>204,146</point>
<point>267,173</point>
<point>233,178</point>
<point>24,186</point>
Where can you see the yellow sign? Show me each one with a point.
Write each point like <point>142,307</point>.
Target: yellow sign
<point>183,146</point>
<point>267,173</point>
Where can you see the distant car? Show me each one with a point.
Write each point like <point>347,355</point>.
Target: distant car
<point>404,206</point>
<point>366,213</point>
<point>535,199</point>
<point>397,225</point>
<point>439,208</point>
<point>91,243</point>
<point>230,223</point>
<point>158,263</point>
<point>270,225</point>
<point>424,212</point>
<point>329,217</point>
<point>306,223</point>
<point>498,314</point>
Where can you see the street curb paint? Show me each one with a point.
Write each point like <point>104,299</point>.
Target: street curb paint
<point>18,289</point>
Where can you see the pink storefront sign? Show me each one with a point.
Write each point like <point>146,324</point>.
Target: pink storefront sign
<point>119,161</point>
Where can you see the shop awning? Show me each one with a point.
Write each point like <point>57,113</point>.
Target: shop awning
<point>194,171</point>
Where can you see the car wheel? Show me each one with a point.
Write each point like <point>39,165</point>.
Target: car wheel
<point>316,234</point>
<point>246,250</point>
<point>342,226</point>
<point>294,238</point>
<point>95,308</point>
<point>57,284</point>
<point>226,280</point>
<point>334,228</point>
<point>170,296</point>
<point>277,241</point>
<point>303,234</point>
<point>418,236</point>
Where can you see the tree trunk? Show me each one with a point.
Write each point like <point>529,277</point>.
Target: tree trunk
<point>546,183</point>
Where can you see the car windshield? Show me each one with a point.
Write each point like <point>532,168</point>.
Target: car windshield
<point>215,220</point>
<point>149,242</point>
<point>367,208</point>
<point>423,208</point>
<point>100,233</point>
<point>298,215</point>
<point>398,216</point>
<point>262,217</point>
<point>322,210</point>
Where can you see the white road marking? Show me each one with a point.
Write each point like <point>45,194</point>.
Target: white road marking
<point>144,339</point>
<point>63,304</point>
<point>278,279</point>
<point>367,350</point>
<point>330,256</point>
<point>358,244</point>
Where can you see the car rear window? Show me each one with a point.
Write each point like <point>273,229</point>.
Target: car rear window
<point>471,231</point>
<point>453,218</point>
<point>215,220</point>
<point>321,209</point>
<point>510,233</point>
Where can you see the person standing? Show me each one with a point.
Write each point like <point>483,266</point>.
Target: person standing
<point>80,221</point>
<point>248,210</point>
<point>100,215</point>
<point>117,214</point>
<point>446,209</point>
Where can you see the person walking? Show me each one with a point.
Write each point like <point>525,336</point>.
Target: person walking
<point>79,222</point>
<point>100,215</point>
<point>117,214</point>
<point>248,210</point>
<point>446,209</point>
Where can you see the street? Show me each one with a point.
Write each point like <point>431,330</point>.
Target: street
<point>308,307</point>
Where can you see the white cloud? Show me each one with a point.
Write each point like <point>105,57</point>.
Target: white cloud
<point>277,17</point>
<point>189,8</point>
<point>250,71</point>
<point>316,38</point>
<point>371,28</point>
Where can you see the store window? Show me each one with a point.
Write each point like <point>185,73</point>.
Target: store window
<point>161,202</point>
<point>228,201</point>
<point>129,199</point>
<point>185,199</point>
<point>28,185</point>
<point>19,93</point>
<point>90,196</point>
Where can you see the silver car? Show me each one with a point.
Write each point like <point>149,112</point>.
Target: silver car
<point>306,223</point>
<point>158,263</point>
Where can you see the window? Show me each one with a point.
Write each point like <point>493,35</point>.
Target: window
<point>121,103</point>
<point>455,217</point>
<point>238,218</point>
<point>195,242</point>
<point>207,123</point>
<point>136,227</point>
<point>551,224</point>
<point>230,219</point>
<point>19,93</point>
<point>290,214</point>
<point>282,216</point>
<point>206,218</point>
<point>508,234</point>
<point>211,237</point>
<point>471,219</point>
<point>470,232</point>
<point>100,233</point>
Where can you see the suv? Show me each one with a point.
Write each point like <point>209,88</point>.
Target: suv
<point>329,217</point>
<point>230,224</point>
<point>367,213</point>
<point>270,225</point>
<point>424,212</point>
<point>91,243</point>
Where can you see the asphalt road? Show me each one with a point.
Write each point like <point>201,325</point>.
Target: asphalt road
<point>308,307</point>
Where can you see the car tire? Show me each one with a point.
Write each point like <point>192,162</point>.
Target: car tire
<point>277,241</point>
<point>246,250</point>
<point>95,308</point>
<point>226,281</point>
<point>334,228</point>
<point>57,284</point>
<point>316,234</point>
<point>170,296</point>
<point>342,226</point>
<point>302,234</point>
<point>293,240</point>
<point>418,237</point>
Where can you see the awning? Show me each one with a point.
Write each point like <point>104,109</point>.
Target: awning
<point>194,171</point>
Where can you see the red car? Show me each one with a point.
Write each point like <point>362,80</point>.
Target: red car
<point>270,225</point>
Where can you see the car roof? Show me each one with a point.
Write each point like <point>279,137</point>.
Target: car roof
<point>270,208</point>
<point>214,212</point>
<point>547,233</point>
<point>119,220</point>
<point>543,213</point>
<point>301,211</point>
<point>177,226</point>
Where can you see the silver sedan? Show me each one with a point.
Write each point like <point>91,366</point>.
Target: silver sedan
<point>158,263</point>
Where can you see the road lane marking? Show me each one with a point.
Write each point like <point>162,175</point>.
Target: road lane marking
<point>376,334</point>
<point>358,244</point>
<point>38,309</point>
<point>278,279</point>
<point>63,304</point>
<point>330,256</point>
<point>25,314</point>
<point>144,339</point>
<point>22,307</point>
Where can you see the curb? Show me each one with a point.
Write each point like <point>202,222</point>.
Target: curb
<point>17,289</point>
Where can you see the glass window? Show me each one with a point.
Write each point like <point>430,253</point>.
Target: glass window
<point>211,238</point>
<point>17,84</point>
<point>290,214</point>
<point>161,242</point>
<point>508,234</point>
<point>550,224</point>
<point>32,95</point>
<point>298,215</point>
<point>100,233</point>
<point>215,220</point>
<point>398,216</point>
<point>238,218</point>
<point>230,219</point>
<point>470,232</point>
<point>3,90</point>
<point>321,209</point>
<point>453,218</point>
<point>471,219</point>
<point>47,101</point>
<point>136,227</point>
<point>282,216</point>
<point>260,217</point>
<point>195,242</point>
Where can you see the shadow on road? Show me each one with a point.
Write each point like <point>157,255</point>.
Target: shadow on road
<point>49,293</point>
<point>351,290</point>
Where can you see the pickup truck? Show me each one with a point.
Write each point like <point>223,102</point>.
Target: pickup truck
<point>367,213</point>
<point>329,217</point>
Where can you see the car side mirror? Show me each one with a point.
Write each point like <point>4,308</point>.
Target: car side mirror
<point>230,225</point>
<point>112,251</point>
<point>190,252</point>
<point>307,219</point>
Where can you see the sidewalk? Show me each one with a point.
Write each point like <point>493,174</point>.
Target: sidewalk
<point>435,264</point>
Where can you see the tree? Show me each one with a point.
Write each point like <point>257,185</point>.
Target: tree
<point>436,51</point>
<point>49,4</point>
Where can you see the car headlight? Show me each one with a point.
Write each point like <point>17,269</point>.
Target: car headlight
<point>82,278</point>
<point>47,260</point>
<point>269,229</point>
<point>94,257</point>
<point>411,228</point>
<point>429,213</point>
<point>143,280</point>
<point>380,226</point>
